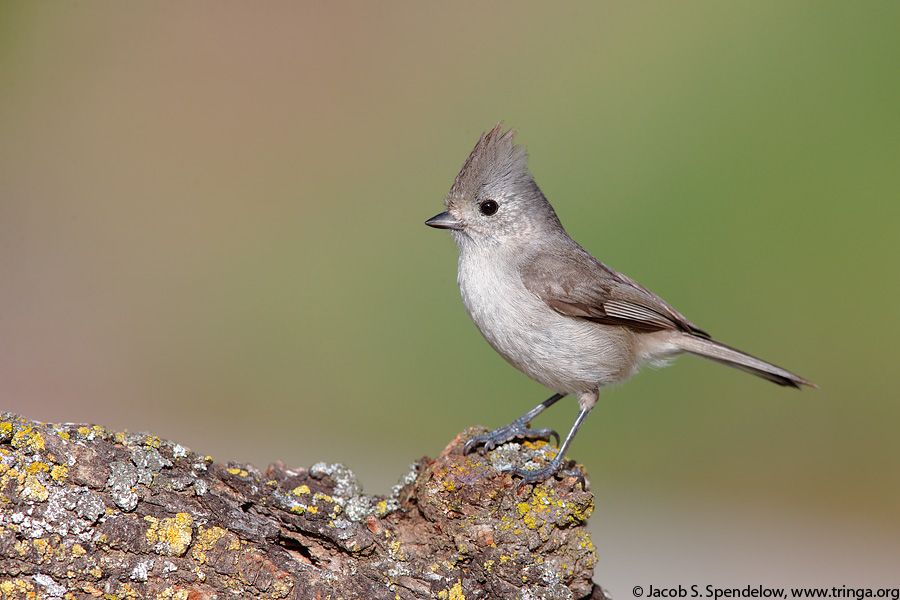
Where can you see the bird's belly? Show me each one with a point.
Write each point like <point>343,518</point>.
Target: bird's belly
<point>566,354</point>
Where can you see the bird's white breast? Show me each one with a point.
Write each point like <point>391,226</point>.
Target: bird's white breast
<point>566,354</point>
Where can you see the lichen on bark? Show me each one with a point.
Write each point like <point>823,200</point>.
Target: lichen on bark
<point>86,512</point>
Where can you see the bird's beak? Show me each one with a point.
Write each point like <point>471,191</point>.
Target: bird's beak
<point>444,221</point>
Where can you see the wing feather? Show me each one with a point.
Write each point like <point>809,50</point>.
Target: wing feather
<point>576,284</point>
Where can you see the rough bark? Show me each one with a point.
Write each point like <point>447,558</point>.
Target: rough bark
<point>85,512</point>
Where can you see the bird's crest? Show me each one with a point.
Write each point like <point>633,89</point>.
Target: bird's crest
<point>494,159</point>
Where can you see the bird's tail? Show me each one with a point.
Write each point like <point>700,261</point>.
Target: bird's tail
<point>727,355</point>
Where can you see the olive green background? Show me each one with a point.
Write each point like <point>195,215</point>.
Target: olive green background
<point>211,228</point>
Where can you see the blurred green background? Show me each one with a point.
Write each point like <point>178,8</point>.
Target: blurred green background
<point>211,228</point>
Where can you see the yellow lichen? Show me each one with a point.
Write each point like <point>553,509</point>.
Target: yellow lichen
<point>43,549</point>
<point>28,439</point>
<point>238,472</point>
<point>125,590</point>
<point>16,588</point>
<point>300,489</point>
<point>534,445</point>
<point>395,550</point>
<point>78,551</point>
<point>174,594</point>
<point>456,592</point>
<point>37,467</point>
<point>85,431</point>
<point>206,539</point>
<point>302,508</point>
<point>59,473</point>
<point>96,572</point>
<point>34,489</point>
<point>171,536</point>
<point>323,497</point>
<point>151,532</point>
<point>585,543</point>
<point>544,510</point>
<point>14,474</point>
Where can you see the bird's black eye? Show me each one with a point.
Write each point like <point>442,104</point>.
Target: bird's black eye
<point>488,207</point>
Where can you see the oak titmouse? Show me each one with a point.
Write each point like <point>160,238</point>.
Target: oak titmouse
<point>548,306</point>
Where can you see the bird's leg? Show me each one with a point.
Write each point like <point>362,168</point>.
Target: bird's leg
<point>517,429</point>
<point>553,467</point>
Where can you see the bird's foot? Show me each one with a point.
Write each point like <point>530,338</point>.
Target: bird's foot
<point>515,430</point>
<point>535,476</point>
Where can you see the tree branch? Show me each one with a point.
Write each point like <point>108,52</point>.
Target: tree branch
<point>85,512</point>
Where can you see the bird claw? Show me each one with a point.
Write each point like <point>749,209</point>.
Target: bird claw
<point>501,435</point>
<point>536,476</point>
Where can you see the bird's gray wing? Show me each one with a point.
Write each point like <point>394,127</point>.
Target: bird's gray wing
<point>576,284</point>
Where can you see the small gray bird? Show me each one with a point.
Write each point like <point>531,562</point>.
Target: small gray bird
<point>548,306</point>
